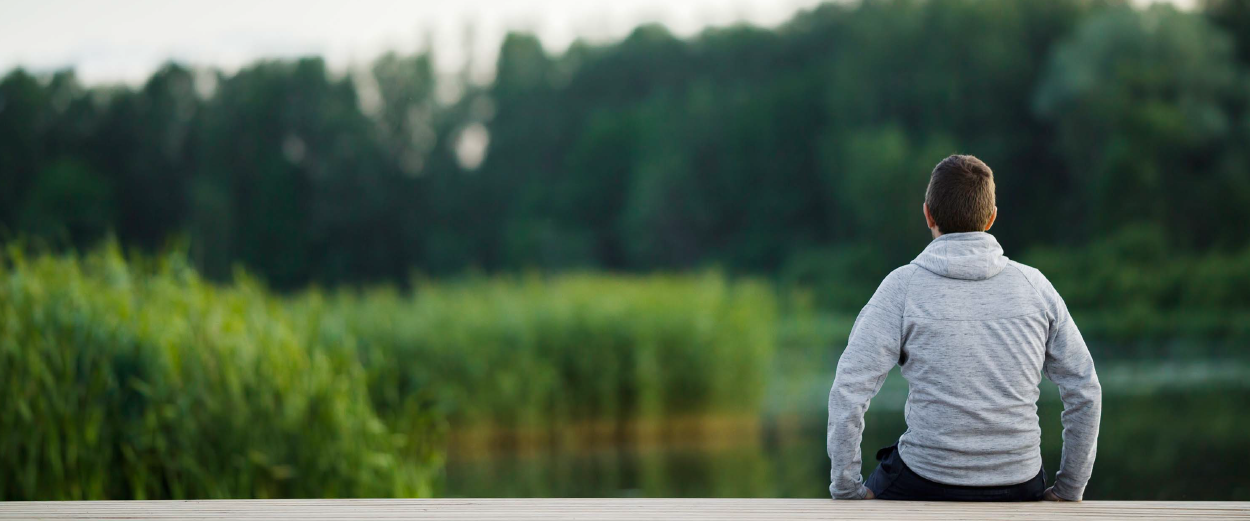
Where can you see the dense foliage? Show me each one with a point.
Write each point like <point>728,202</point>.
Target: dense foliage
<point>531,352</point>
<point>146,382</point>
<point>1134,286</point>
<point>800,151</point>
<point>140,380</point>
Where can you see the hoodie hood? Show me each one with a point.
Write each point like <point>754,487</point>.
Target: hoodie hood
<point>966,256</point>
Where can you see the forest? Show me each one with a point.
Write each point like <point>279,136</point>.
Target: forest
<point>795,152</point>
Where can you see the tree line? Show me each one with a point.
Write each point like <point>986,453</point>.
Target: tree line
<point>798,151</point>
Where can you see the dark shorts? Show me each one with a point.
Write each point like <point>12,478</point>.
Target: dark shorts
<point>893,480</point>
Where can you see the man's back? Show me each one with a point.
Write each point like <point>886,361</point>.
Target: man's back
<point>973,332</point>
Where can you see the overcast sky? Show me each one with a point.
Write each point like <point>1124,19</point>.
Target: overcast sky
<point>125,40</point>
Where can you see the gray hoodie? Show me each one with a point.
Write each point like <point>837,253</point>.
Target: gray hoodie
<point>973,333</point>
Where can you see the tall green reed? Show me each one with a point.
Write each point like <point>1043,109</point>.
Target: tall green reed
<point>135,378</point>
<point>143,381</point>
<point>533,351</point>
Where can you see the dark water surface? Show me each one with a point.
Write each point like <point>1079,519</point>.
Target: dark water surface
<point>1187,438</point>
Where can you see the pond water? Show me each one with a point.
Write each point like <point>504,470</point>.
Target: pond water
<point>1168,433</point>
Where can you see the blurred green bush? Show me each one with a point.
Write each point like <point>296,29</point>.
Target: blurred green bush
<point>143,381</point>
<point>1133,289</point>
<point>532,352</point>
<point>137,379</point>
<point>1135,286</point>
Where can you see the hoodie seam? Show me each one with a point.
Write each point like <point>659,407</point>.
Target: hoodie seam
<point>1045,307</point>
<point>902,314</point>
<point>946,257</point>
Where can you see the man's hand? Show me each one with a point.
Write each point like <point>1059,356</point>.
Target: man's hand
<point>1049,495</point>
<point>870,495</point>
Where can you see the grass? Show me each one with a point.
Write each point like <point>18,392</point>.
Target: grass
<point>144,381</point>
<point>135,378</point>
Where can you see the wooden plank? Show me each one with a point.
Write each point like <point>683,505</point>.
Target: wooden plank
<point>614,509</point>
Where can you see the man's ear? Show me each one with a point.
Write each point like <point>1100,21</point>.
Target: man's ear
<point>928,219</point>
<point>992,217</point>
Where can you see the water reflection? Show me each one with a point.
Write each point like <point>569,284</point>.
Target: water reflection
<point>1171,443</point>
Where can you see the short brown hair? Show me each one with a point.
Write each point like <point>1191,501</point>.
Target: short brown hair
<point>961,194</point>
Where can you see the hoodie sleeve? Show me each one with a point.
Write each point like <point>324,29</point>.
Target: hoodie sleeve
<point>872,350</point>
<point>1069,364</point>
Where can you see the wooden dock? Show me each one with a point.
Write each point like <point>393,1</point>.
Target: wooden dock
<point>608,509</point>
